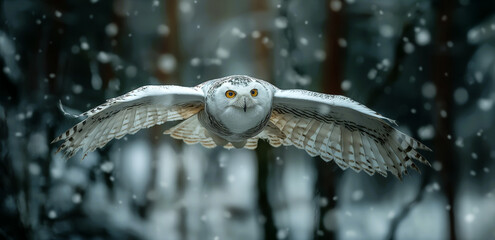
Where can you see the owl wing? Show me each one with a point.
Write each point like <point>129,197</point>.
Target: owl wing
<point>140,108</point>
<point>347,132</point>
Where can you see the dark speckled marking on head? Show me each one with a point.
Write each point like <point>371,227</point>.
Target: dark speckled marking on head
<point>240,80</point>
<point>237,80</point>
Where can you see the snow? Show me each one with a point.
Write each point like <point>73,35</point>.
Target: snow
<point>386,31</point>
<point>282,233</point>
<point>320,55</point>
<point>303,41</point>
<point>131,71</point>
<point>426,132</point>
<point>485,104</point>
<point>163,30</point>
<point>372,74</point>
<point>111,30</point>
<point>34,169</point>
<point>37,145</point>
<point>423,37</point>
<point>96,81</point>
<point>185,7</point>
<point>238,33</point>
<point>256,34</point>
<point>84,45</point>
<point>346,85</point>
<point>469,218</point>
<point>167,63</point>
<point>429,90</point>
<point>76,198</point>
<point>459,142</point>
<point>478,76</point>
<point>9,57</point>
<point>52,214</point>
<point>461,96</point>
<point>443,113</point>
<point>437,166</point>
<point>222,53</point>
<point>342,42</point>
<point>357,195</point>
<point>106,167</point>
<point>335,5</point>
<point>408,47</point>
<point>281,22</point>
<point>195,62</point>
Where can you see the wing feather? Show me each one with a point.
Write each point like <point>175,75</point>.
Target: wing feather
<point>340,129</point>
<point>388,160</point>
<point>323,133</point>
<point>100,138</point>
<point>370,156</point>
<point>348,151</point>
<point>191,132</point>
<point>310,137</point>
<point>127,114</point>
<point>336,147</point>
<point>326,154</point>
<point>378,154</point>
<point>271,133</point>
<point>120,133</point>
<point>359,153</point>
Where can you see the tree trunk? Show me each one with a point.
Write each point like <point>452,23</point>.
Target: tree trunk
<point>333,71</point>
<point>263,154</point>
<point>442,68</point>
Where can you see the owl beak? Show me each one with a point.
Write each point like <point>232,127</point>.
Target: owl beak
<point>243,103</point>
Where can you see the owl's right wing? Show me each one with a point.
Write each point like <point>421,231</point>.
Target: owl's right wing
<point>340,129</point>
<point>140,108</point>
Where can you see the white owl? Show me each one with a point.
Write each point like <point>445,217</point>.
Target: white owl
<point>236,111</point>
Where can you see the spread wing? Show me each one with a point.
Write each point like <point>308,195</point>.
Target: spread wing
<point>141,108</point>
<point>340,129</point>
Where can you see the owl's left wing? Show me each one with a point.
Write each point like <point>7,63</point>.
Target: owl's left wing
<point>140,108</point>
<point>340,129</point>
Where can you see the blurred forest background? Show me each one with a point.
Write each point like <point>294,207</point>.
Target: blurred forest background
<point>429,64</point>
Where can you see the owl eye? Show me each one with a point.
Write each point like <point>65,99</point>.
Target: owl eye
<point>230,94</point>
<point>254,92</point>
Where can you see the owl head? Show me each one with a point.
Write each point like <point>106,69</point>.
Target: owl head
<point>240,96</point>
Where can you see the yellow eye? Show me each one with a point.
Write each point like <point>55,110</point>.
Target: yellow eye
<point>254,92</point>
<point>230,94</point>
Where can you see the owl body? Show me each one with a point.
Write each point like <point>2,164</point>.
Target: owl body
<point>237,111</point>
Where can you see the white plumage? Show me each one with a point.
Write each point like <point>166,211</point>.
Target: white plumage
<point>237,111</point>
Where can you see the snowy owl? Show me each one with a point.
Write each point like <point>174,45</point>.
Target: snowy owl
<point>236,111</point>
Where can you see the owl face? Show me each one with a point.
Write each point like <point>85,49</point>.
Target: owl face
<point>240,102</point>
<point>242,98</point>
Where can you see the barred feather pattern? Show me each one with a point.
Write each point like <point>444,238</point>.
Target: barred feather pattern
<point>142,108</point>
<point>191,132</point>
<point>97,130</point>
<point>376,148</point>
